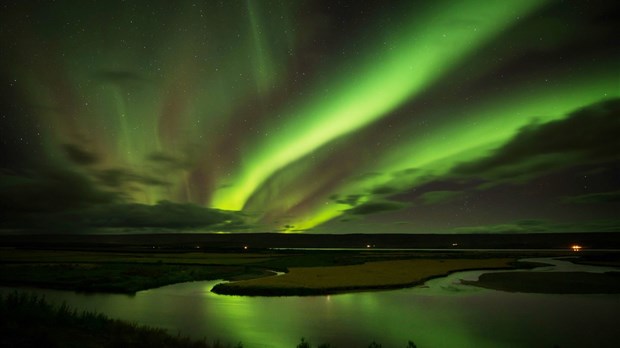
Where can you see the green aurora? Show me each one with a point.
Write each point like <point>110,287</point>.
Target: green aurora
<point>438,116</point>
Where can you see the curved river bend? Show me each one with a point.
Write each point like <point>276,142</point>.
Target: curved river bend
<point>442,313</point>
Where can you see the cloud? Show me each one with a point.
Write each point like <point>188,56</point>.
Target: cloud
<point>163,214</point>
<point>80,156</point>
<point>351,200</point>
<point>524,226</point>
<point>384,190</point>
<point>48,190</point>
<point>39,198</point>
<point>54,199</point>
<point>436,197</point>
<point>543,226</point>
<point>117,178</point>
<point>169,161</point>
<point>593,198</point>
<point>376,207</point>
<point>588,135</point>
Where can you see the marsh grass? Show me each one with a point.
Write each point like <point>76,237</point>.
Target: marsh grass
<point>120,272</point>
<point>367,276</point>
<point>85,257</point>
<point>109,277</point>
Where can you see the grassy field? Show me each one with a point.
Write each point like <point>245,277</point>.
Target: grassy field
<point>117,278</point>
<point>64,256</point>
<point>120,272</point>
<point>128,272</point>
<point>308,272</point>
<point>371,275</point>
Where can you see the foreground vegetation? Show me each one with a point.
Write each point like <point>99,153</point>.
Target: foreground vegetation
<point>29,321</point>
<point>367,276</point>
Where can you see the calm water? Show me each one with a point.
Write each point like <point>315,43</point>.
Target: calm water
<point>443,313</point>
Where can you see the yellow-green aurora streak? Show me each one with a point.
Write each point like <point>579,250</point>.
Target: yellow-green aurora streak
<point>408,62</point>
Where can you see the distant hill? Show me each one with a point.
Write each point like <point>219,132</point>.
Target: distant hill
<point>212,241</point>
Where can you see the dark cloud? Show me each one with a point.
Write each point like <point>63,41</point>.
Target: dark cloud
<point>351,200</point>
<point>79,155</point>
<point>53,200</point>
<point>589,135</point>
<point>169,161</point>
<point>436,197</point>
<point>593,198</point>
<point>542,226</point>
<point>48,190</point>
<point>163,214</point>
<point>376,207</point>
<point>117,178</point>
<point>384,190</point>
<point>41,198</point>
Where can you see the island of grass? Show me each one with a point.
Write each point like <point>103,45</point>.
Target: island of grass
<point>550,282</point>
<point>378,275</point>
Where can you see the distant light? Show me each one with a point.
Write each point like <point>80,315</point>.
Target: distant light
<point>367,245</point>
<point>455,244</point>
<point>197,246</point>
<point>245,247</point>
<point>576,247</point>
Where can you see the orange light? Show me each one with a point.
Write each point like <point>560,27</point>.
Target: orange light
<point>576,247</point>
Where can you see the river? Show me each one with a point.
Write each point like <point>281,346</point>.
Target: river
<point>442,313</point>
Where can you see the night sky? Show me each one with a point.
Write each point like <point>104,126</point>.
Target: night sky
<point>317,116</point>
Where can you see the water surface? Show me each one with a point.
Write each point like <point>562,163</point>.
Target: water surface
<point>442,313</point>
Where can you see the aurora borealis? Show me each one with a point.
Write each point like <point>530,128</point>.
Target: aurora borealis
<point>317,116</point>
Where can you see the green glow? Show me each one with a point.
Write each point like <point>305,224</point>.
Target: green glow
<point>264,69</point>
<point>289,112</point>
<point>424,52</point>
<point>477,132</point>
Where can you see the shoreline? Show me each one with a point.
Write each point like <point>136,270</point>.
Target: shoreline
<point>222,289</point>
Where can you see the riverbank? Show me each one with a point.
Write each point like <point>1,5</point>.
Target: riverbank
<point>380,275</point>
